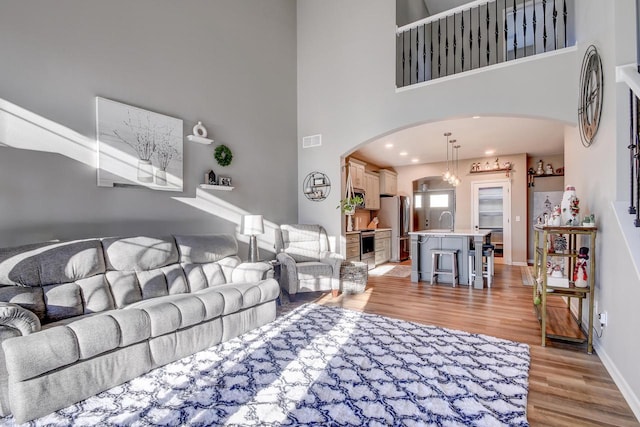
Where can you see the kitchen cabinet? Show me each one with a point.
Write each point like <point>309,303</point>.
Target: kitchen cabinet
<point>383,246</point>
<point>353,246</point>
<point>371,191</point>
<point>388,182</point>
<point>356,170</point>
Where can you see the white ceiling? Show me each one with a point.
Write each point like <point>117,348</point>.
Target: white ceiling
<point>427,144</point>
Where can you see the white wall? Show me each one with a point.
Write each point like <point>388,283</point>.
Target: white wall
<point>229,63</point>
<point>600,175</point>
<point>346,90</point>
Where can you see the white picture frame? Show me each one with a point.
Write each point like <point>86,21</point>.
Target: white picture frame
<point>138,148</point>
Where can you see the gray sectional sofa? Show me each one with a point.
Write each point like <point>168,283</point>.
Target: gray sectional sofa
<point>80,317</point>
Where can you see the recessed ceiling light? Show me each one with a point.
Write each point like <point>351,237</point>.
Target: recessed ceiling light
<point>403,153</point>
<point>475,117</point>
<point>415,160</point>
<point>490,152</point>
<point>389,145</point>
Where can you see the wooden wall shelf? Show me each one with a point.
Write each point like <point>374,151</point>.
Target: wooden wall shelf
<point>506,170</point>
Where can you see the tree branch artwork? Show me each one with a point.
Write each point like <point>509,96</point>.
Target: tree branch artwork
<point>155,139</point>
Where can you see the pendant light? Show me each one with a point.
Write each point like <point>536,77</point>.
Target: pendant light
<point>454,172</point>
<point>447,174</point>
<point>456,180</point>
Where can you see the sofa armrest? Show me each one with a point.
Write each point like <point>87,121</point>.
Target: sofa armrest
<point>334,260</point>
<point>250,272</point>
<point>15,317</point>
<point>288,273</point>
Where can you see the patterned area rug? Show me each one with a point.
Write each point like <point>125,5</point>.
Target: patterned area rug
<point>326,366</point>
<point>391,270</point>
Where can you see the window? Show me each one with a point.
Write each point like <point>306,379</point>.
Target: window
<point>418,202</point>
<point>439,201</point>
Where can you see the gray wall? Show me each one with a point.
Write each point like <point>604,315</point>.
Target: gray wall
<point>229,63</point>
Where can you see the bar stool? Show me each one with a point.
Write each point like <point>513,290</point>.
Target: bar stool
<point>488,265</point>
<point>436,270</point>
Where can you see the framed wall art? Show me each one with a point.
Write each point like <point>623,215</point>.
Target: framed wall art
<point>138,148</point>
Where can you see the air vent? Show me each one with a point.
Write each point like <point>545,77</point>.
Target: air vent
<point>312,141</point>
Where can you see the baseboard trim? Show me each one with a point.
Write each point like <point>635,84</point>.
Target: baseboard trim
<point>632,399</point>
<point>519,264</point>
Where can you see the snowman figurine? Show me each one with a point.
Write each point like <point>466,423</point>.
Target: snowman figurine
<point>580,270</point>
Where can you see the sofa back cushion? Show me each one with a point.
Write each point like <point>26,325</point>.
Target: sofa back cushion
<point>142,267</point>
<point>55,280</point>
<point>208,260</point>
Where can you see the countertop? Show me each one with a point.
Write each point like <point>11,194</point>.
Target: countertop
<point>458,232</point>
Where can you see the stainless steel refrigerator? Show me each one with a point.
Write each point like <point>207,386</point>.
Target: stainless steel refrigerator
<point>395,213</point>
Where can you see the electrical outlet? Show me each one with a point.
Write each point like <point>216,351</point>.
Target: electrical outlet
<point>603,318</point>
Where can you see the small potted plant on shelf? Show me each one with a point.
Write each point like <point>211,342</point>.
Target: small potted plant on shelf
<point>348,204</point>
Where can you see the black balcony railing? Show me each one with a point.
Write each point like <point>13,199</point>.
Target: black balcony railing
<point>634,157</point>
<point>481,34</point>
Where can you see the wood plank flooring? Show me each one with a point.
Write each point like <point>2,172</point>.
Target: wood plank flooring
<point>567,386</point>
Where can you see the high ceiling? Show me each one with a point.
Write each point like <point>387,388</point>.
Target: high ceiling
<point>504,135</point>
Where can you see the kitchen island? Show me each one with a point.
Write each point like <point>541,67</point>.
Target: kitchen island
<point>423,241</point>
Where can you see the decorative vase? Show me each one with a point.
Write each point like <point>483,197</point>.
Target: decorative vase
<point>349,223</point>
<point>145,171</point>
<point>567,199</point>
<point>161,177</point>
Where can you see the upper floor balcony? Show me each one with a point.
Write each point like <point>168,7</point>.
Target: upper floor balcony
<point>481,34</point>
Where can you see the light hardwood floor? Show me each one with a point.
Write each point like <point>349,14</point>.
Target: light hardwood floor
<point>567,386</point>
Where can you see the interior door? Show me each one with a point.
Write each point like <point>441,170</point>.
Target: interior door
<point>491,210</point>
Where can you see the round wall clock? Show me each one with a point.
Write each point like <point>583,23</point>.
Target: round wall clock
<point>591,86</point>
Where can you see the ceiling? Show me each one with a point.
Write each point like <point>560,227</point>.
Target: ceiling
<point>427,144</point>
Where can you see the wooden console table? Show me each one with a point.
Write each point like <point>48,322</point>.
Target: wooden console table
<point>542,290</point>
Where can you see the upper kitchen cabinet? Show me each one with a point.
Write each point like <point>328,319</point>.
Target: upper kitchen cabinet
<point>388,182</point>
<point>371,191</point>
<point>356,170</point>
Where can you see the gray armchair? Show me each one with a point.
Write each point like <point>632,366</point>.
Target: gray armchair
<point>306,262</point>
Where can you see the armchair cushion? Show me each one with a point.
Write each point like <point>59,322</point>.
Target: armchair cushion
<point>302,242</point>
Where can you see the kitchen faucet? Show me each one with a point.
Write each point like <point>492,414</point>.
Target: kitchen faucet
<point>440,219</point>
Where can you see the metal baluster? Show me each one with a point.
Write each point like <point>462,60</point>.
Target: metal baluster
<point>410,57</point>
<point>479,39</point>
<point>439,48</point>
<point>515,34</point>
<point>424,52</point>
<point>454,43</point>
<point>431,50</point>
<point>403,59</point>
<point>544,25</point>
<point>506,33</point>
<point>471,39</point>
<point>555,29</point>
<point>564,17</point>
<point>524,29</point>
<point>417,53</point>
<point>497,32</point>
<point>534,27</point>
<point>631,147</point>
<point>637,158</point>
<point>488,38</point>
<point>462,33</point>
<point>446,46</point>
